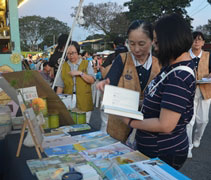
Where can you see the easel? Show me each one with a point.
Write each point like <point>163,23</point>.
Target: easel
<point>36,131</point>
<point>35,136</point>
<point>33,127</point>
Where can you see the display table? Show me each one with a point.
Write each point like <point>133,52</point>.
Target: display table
<point>16,168</point>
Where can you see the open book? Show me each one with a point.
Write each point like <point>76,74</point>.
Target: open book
<point>121,102</point>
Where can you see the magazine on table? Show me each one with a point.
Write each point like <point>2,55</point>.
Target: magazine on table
<point>122,102</point>
<point>55,134</point>
<point>54,162</point>
<point>95,143</point>
<point>103,165</point>
<point>153,169</point>
<point>89,136</point>
<point>74,148</point>
<point>58,141</point>
<point>73,128</point>
<point>108,151</point>
<point>52,174</point>
<point>89,173</point>
<point>60,150</point>
<point>130,157</point>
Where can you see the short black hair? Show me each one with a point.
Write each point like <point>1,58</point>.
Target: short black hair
<point>173,37</point>
<point>45,64</point>
<point>76,45</point>
<point>119,41</point>
<point>84,52</point>
<point>146,26</point>
<point>198,33</point>
<point>62,41</point>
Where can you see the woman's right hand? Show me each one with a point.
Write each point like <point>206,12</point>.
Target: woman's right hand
<point>102,84</point>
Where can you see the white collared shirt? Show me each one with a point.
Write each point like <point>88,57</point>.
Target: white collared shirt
<point>146,65</point>
<point>193,55</point>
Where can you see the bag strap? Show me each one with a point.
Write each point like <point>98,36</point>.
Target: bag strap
<point>183,68</point>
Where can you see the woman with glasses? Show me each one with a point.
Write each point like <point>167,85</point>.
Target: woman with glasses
<point>76,78</point>
<point>202,100</point>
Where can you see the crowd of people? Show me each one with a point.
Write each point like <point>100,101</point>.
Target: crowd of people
<point>163,62</point>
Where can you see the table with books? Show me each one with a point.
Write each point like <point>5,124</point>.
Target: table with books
<point>93,154</point>
<point>16,168</point>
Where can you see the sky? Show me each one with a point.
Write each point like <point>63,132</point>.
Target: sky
<point>200,10</point>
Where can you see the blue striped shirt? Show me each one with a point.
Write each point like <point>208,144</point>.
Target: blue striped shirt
<point>176,93</point>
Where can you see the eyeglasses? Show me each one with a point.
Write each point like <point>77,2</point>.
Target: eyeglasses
<point>71,53</point>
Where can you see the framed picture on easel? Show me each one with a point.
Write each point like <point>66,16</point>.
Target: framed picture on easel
<point>30,119</point>
<point>34,128</point>
<point>35,131</point>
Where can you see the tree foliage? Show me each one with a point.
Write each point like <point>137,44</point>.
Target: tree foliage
<point>154,9</point>
<point>105,17</point>
<point>206,30</point>
<point>36,30</point>
<point>95,36</point>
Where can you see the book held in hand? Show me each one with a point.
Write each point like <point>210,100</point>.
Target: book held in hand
<point>122,102</point>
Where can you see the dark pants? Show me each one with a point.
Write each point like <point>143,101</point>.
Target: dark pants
<point>176,161</point>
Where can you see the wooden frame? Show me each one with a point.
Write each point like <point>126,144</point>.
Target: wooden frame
<point>34,133</point>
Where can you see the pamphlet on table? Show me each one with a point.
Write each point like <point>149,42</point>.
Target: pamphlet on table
<point>53,162</point>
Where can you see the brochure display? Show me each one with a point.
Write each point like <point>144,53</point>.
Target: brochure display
<point>43,90</point>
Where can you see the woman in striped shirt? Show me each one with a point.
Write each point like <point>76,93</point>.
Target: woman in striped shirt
<point>169,107</point>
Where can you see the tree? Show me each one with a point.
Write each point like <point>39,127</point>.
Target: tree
<point>152,10</point>
<point>36,30</point>
<point>30,32</point>
<point>95,36</point>
<point>206,30</point>
<point>106,17</point>
<point>53,28</point>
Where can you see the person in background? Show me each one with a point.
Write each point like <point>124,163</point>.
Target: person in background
<point>31,65</point>
<point>46,73</point>
<point>85,55</point>
<point>119,47</point>
<point>136,68</point>
<point>25,64</point>
<point>168,108</point>
<point>38,65</point>
<point>76,78</point>
<point>202,100</point>
<point>56,56</point>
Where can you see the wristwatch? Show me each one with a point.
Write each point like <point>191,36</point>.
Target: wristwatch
<point>130,123</point>
<point>81,74</point>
